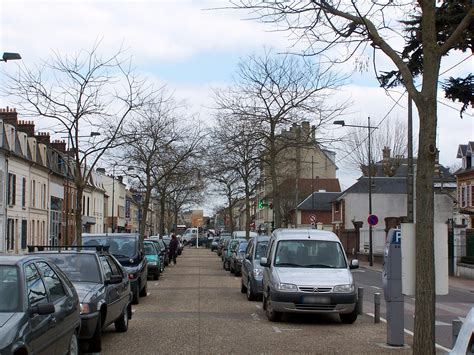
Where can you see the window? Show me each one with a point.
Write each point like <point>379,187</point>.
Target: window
<point>43,197</point>
<point>34,285</point>
<point>23,193</point>
<point>10,234</point>
<point>106,268</point>
<point>52,281</point>
<point>33,193</point>
<point>24,228</point>
<point>11,186</point>
<point>116,270</point>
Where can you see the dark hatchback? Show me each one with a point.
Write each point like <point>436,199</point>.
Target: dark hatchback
<point>237,258</point>
<point>39,307</point>
<point>103,288</point>
<point>128,250</point>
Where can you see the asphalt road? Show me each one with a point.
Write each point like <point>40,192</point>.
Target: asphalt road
<point>453,306</point>
<point>196,308</point>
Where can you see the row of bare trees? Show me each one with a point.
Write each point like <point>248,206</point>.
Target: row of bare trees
<point>270,94</point>
<point>104,108</point>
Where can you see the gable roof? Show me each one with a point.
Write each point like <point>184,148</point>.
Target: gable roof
<point>380,185</point>
<point>321,201</point>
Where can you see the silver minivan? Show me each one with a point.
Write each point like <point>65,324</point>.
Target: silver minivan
<point>306,271</point>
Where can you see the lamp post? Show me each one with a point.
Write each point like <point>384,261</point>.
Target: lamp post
<point>369,166</point>
<point>113,197</point>
<point>10,56</point>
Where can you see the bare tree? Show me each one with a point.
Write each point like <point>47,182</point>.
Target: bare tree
<point>81,93</point>
<point>269,94</point>
<point>390,134</point>
<point>325,25</point>
<point>241,149</point>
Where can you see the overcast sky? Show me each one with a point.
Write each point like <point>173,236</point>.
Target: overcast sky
<point>192,49</point>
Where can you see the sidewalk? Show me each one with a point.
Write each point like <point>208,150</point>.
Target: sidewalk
<point>454,281</point>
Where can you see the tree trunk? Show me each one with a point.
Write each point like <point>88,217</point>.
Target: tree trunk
<point>276,194</point>
<point>231,217</point>
<point>425,267</point>
<point>247,211</point>
<point>78,212</point>
<point>162,214</point>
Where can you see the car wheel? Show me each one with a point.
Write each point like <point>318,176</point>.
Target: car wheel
<point>73,345</point>
<point>121,324</point>
<point>250,294</point>
<point>144,290</point>
<point>243,289</point>
<point>272,315</point>
<point>349,318</point>
<point>227,266</point>
<point>95,343</point>
<point>232,270</point>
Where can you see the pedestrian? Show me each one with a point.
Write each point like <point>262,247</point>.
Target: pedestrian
<point>173,248</point>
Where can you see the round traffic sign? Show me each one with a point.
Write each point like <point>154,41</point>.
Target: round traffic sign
<point>372,220</point>
<point>312,218</point>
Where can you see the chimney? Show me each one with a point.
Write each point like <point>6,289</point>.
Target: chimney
<point>28,127</point>
<point>59,145</point>
<point>42,137</point>
<point>9,116</point>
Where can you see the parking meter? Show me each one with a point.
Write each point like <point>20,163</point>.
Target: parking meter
<point>392,287</point>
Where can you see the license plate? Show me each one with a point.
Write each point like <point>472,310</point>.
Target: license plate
<point>316,299</point>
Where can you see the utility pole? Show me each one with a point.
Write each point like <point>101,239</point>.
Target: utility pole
<point>410,217</point>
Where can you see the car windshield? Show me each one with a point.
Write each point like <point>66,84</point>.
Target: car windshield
<point>309,254</point>
<point>10,299</point>
<point>242,247</point>
<point>119,246</point>
<point>78,267</point>
<point>167,241</point>
<point>261,250</point>
<point>149,249</point>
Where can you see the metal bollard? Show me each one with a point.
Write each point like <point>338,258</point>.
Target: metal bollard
<point>456,325</point>
<point>377,307</point>
<point>360,302</point>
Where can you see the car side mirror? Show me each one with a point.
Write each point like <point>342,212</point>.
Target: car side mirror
<point>354,264</point>
<point>264,262</point>
<point>114,279</point>
<point>42,308</point>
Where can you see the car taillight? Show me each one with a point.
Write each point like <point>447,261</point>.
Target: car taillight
<point>132,276</point>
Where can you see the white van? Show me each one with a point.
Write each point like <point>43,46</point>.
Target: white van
<point>241,234</point>
<point>189,234</point>
<point>306,271</point>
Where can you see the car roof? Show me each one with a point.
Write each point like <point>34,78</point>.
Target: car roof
<point>91,235</point>
<point>16,259</point>
<point>262,238</point>
<point>314,234</point>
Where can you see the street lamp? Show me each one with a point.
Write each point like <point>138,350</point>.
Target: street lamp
<point>10,56</point>
<point>369,165</point>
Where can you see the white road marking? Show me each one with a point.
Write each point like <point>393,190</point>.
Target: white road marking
<point>258,306</point>
<point>411,333</point>
<point>276,330</point>
<point>156,283</point>
<point>255,316</point>
<point>148,293</point>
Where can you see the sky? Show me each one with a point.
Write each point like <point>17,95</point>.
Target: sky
<point>192,48</point>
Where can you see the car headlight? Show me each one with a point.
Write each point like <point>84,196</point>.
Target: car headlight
<point>85,308</point>
<point>344,288</point>
<point>287,287</point>
<point>257,273</point>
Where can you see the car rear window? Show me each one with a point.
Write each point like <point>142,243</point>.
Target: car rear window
<point>120,246</point>
<point>261,250</point>
<point>78,267</point>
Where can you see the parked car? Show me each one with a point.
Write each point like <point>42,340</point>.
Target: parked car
<point>222,240</point>
<point>39,307</point>
<point>252,272</point>
<point>242,234</point>
<point>215,243</point>
<point>128,250</point>
<point>202,242</point>
<point>152,255</point>
<point>306,271</point>
<point>229,247</point>
<point>103,288</point>
<point>164,257</point>
<point>237,257</point>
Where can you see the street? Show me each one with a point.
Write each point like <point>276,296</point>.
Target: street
<point>448,308</point>
<point>196,308</point>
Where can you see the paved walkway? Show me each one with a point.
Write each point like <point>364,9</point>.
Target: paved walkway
<point>197,308</point>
